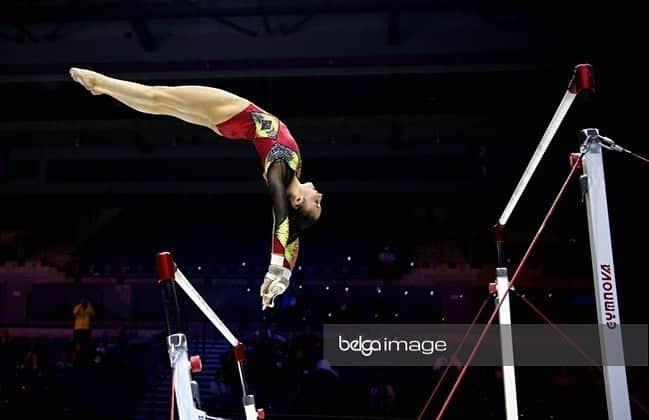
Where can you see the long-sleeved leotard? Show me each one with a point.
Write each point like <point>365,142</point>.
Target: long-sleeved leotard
<point>280,158</point>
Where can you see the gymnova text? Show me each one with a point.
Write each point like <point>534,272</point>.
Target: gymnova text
<point>367,347</point>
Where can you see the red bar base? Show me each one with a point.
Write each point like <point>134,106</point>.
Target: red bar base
<point>196,364</point>
<point>165,266</point>
<point>583,79</point>
<point>499,233</point>
<point>239,352</point>
<point>573,158</point>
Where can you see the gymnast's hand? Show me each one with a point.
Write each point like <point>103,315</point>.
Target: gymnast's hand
<point>276,281</point>
<point>86,78</point>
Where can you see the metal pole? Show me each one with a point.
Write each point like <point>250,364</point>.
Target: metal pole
<point>608,314</point>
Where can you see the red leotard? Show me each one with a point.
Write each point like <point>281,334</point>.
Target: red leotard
<point>273,141</point>
<point>270,136</point>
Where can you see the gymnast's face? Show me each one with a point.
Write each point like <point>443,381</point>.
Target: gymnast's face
<point>311,201</point>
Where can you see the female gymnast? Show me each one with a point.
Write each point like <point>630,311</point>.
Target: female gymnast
<point>296,205</point>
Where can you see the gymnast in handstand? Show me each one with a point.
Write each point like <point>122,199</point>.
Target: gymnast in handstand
<point>296,205</point>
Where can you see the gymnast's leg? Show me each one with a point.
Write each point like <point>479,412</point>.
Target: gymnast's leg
<point>199,105</point>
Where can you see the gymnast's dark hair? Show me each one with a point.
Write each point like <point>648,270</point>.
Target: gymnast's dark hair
<point>300,220</point>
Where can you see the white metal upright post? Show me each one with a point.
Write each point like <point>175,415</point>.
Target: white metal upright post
<point>608,314</point>
<point>507,347</point>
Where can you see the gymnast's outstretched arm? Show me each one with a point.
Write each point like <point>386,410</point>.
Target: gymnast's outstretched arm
<point>201,105</point>
<point>285,243</point>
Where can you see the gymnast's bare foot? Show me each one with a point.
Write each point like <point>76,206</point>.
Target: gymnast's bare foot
<point>86,78</point>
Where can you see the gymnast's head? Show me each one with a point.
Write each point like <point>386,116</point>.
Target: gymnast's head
<point>306,206</point>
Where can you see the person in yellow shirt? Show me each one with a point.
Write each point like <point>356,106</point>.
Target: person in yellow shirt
<point>84,314</point>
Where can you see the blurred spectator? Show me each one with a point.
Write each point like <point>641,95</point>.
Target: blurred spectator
<point>5,358</point>
<point>387,265</point>
<point>84,315</point>
<point>322,392</point>
<point>31,359</point>
<point>310,346</point>
<point>100,353</point>
<point>224,396</point>
<point>382,396</point>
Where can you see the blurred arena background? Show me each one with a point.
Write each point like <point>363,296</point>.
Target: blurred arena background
<point>416,119</point>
